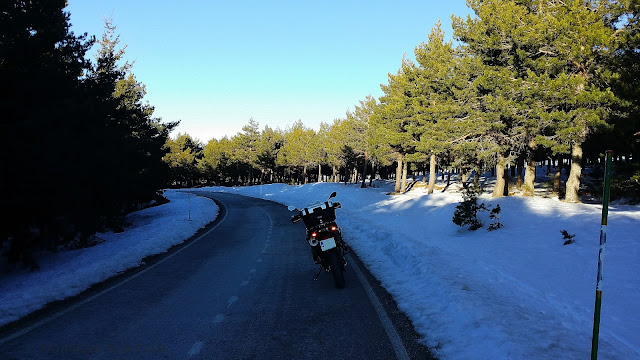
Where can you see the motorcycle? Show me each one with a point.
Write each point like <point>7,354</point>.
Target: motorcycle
<point>325,238</point>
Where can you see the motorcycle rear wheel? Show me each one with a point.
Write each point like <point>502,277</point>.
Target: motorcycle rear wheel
<point>336,269</point>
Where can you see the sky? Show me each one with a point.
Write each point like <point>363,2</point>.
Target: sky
<point>514,293</point>
<point>213,65</point>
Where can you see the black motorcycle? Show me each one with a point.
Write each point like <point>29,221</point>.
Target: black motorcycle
<point>324,237</point>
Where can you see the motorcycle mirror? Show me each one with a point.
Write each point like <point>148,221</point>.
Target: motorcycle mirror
<point>333,194</point>
<point>291,208</point>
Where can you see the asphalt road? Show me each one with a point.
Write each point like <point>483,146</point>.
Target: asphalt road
<point>240,289</point>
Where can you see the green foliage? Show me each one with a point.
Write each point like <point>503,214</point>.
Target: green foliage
<point>84,147</point>
<point>527,79</point>
<point>466,213</point>
<point>299,147</point>
<point>183,156</point>
<point>533,77</point>
<point>495,215</point>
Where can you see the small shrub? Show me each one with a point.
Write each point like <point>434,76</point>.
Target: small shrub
<point>495,215</point>
<point>567,237</point>
<point>466,213</point>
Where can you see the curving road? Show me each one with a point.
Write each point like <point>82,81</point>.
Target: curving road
<point>240,289</point>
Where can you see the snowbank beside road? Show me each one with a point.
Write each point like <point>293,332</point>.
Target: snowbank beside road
<point>514,293</point>
<point>68,273</point>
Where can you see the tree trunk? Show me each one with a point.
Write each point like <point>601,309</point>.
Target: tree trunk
<point>319,173</point>
<point>304,173</point>
<point>403,185</point>
<point>573,183</point>
<point>498,191</point>
<point>557,182</point>
<point>364,171</point>
<point>506,184</point>
<point>432,173</point>
<point>463,176</point>
<point>448,177</point>
<point>398,174</point>
<point>520,168</point>
<point>373,173</point>
<point>557,178</point>
<point>530,175</point>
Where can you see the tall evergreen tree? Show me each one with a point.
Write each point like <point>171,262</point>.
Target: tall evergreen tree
<point>394,117</point>
<point>268,146</point>
<point>362,114</point>
<point>130,145</point>
<point>41,64</point>
<point>298,149</point>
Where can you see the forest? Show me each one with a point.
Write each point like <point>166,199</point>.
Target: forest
<point>522,82</point>
<point>527,82</point>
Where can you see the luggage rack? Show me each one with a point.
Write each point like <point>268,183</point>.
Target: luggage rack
<point>318,215</point>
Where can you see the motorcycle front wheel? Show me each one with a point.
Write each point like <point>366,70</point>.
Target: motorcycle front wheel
<point>336,268</point>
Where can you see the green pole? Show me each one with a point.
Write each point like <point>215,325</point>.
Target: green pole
<point>603,243</point>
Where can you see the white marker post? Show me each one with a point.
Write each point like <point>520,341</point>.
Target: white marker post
<point>601,251</point>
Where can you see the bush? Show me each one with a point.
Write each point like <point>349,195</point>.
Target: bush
<point>495,215</point>
<point>466,212</point>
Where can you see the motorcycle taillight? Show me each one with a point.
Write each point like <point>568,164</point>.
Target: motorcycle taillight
<point>333,228</point>
<point>314,234</point>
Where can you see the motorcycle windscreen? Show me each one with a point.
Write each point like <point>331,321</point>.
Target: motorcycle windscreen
<point>327,244</point>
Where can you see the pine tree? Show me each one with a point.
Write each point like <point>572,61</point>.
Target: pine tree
<point>130,143</point>
<point>41,66</point>
<point>296,151</point>
<point>394,117</point>
<point>466,213</point>
<point>184,154</point>
<point>363,113</point>
<point>268,146</point>
<point>443,105</point>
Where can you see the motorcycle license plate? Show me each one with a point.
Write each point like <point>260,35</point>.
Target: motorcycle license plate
<point>327,244</point>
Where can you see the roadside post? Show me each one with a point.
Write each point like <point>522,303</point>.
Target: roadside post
<point>601,252</point>
<point>189,201</point>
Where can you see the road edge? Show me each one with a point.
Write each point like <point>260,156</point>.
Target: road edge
<point>402,325</point>
<point>57,308</point>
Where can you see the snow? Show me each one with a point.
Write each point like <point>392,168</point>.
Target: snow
<point>68,273</point>
<point>514,293</point>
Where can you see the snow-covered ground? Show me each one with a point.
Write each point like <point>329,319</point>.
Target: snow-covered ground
<point>68,273</point>
<point>514,293</point>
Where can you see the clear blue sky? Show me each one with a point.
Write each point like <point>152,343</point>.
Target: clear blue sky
<point>214,65</point>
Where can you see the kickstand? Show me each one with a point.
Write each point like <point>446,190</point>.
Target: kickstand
<point>318,273</point>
